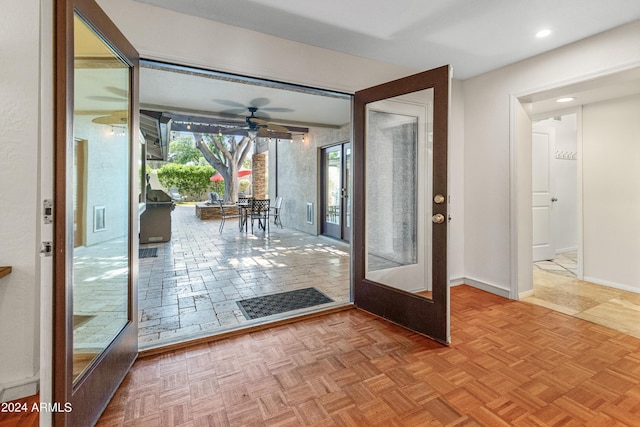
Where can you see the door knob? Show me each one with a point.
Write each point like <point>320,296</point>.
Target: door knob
<point>554,199</point>
<point>437,219</point>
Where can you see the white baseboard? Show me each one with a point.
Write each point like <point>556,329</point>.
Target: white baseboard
<point>488,287</point>
<point>18,389</point>
<point>610,284</point>
<point>563,250</point>
<point>456,282</point>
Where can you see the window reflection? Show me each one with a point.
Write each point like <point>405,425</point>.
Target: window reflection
<point>100,196</point>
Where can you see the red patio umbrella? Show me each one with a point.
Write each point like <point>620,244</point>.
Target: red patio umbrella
<point>244,172</point>
<point>216,178</point>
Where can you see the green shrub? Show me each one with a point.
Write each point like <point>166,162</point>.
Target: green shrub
<point>191,181</point>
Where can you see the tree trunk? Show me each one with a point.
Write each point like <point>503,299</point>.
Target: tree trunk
<point>227,159</point>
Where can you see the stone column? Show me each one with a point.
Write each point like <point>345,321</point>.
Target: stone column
<point>259,175</point>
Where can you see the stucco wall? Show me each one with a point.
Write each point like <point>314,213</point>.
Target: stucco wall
<point>19,197</point>
<point>298,177</point>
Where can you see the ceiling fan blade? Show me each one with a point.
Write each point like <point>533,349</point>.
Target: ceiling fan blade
<point>118,91</point>
<point>258,121</point>
<point>259,102</point>
<point>263,133</point>
<point>106,98</point>
<point>110,120</point>
<point>277,128</point>
<point>230,104</point>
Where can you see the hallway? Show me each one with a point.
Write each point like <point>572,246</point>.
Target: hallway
<point>556,287</point>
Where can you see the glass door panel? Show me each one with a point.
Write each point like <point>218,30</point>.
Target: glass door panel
<point>95,211</point>
<point>336,200</point>
<point>100,287</point>
<point>398,185</point>
<point>333,193</point>
<point>346,197</point>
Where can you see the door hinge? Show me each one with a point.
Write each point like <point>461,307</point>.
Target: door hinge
<point>46,248</point>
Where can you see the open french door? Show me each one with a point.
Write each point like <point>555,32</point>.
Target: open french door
<point>96,210</point>
<point>336,192</point>
<point>400,202</point>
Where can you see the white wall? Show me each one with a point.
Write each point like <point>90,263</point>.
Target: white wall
<point>611,194</point>
<point>487,181</point>
<point>19,196</point>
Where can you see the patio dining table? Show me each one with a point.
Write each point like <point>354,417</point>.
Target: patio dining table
<point>243,213</point>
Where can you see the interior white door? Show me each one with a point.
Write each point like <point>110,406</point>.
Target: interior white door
<point>542,193</point>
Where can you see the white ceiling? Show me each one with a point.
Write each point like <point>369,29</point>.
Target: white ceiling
<point>474,36</point>
<point>205,94</point>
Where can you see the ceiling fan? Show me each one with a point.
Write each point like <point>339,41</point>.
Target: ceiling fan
<point>257,127</point>
<point>119,117</point>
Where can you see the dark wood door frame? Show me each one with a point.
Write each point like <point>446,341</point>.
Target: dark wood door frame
<point>426,316</point>
<point>90,394</point>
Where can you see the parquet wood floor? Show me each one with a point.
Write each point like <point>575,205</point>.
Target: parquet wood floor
<point>510,364</point>
<point>19,413</point>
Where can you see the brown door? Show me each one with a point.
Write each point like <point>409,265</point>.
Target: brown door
<point>400,202</point>
<point>95,320</point>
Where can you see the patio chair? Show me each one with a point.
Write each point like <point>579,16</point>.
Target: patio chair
<point>275,211</point>
<point>175,194</point>
<point>224,215</point>
<point>260,210</point>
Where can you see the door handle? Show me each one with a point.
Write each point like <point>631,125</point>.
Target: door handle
<point>437,219</point>
<point>554,199</point>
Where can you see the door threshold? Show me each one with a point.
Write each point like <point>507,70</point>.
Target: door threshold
<point>224,334</point>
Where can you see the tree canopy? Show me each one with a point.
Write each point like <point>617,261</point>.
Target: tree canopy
<point>226,155</point>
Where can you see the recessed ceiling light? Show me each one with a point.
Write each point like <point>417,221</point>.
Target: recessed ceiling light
<point>543,33</point>
<point>567,99</point>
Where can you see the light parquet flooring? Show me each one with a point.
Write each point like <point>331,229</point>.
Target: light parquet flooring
<point>510,364</point>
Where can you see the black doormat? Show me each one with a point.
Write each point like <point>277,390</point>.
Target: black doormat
<point>147,252</point>
<point>267,305</point>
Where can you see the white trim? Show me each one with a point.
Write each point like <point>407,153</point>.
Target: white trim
<point>563,250</point>
<point>579,199</point>
<point>615,285</point>
<point>488,287</point>
<point>514,250</point>
<point>513,173</point>
<point>18,389</point>
<point>46,175</point>
<point>457,281</point>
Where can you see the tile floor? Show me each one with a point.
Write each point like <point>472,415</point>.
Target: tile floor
<point>191,288</point>
<point>556,287</point>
